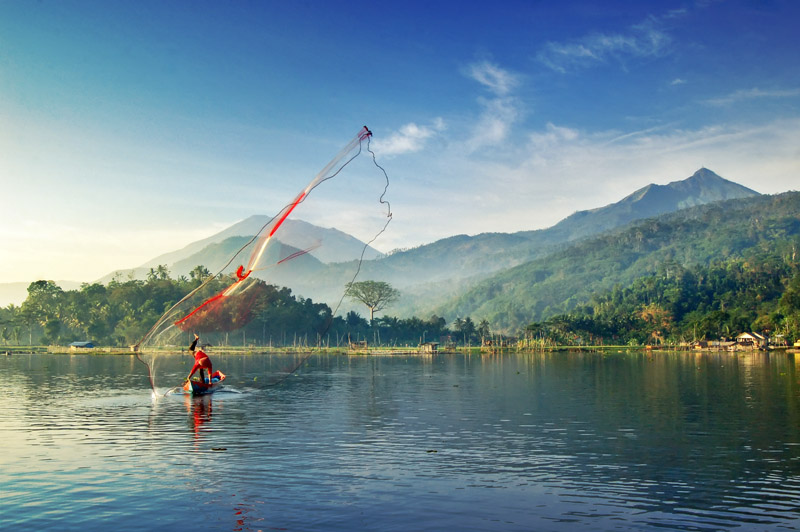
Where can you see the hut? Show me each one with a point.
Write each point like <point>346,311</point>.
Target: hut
<point>429,347</point>
<point>751,341</point>
<point>74,346</point>
<point>359,346</point>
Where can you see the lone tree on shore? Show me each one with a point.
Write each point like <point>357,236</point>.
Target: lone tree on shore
<point>376,295</point>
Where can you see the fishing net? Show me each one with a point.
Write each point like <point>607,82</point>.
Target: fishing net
<point>293,269</point>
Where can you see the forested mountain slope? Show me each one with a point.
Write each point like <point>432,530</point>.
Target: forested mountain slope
<point>463,257</point>
<point>564,279</point>
<point>433,273</point>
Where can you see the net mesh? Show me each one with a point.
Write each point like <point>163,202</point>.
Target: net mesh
<point>256,275</point>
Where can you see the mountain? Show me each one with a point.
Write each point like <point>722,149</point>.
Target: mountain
<point>466,256</point>
<point>704,186</point>
<point>695,236</point>
<point>338,245</point>
<point>432,273</point>
<point>514,278</point>
<point>213,252</point>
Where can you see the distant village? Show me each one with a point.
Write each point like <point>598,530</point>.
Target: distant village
<point>747,341</point>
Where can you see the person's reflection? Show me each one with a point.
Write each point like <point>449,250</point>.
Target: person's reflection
<point>199,409</point>
<point>241,515</point>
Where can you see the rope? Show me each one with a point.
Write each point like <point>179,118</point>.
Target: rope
<point>281,215</point>
<point>360,260</point>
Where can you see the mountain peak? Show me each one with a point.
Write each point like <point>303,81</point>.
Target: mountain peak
<point>704,173</point>
<point>704,186</point>
<point>709,178</point>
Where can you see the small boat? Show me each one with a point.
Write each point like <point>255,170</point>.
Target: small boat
<point>198,387</point>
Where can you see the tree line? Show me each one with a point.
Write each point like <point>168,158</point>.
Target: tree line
<point>756,293</point>
<point>556,284</point>
<point>120,313</point>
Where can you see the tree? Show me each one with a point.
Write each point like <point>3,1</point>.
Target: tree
<point>159,273</point>
<point>484,330</point>
<point>43,307</point>
<point>376,295</point>
<point>199,273</point>
<point>466,327</point>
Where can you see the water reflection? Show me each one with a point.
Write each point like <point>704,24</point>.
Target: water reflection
<point>546,441</point>
<point>199,409</point>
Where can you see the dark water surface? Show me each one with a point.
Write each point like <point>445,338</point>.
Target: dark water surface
<point>560,441</point>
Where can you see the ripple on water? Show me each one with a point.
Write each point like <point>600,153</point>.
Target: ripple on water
<point>530,442</point>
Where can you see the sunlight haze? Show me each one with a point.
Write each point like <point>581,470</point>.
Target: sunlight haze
<point>130,129</point>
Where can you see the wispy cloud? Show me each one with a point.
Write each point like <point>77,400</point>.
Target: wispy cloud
<point>552,135</point>
<point>675,13</point>
<point>752,94</point>
<point>593,169</point>
<point>495,123</point>
<point>549,173</point>
<point>497,80</point>
<point>641,40</point>
<point>499,111</point>
<point>678,81</point>
<point>410,138</point>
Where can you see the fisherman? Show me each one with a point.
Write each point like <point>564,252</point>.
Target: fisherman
<point>201,361</point>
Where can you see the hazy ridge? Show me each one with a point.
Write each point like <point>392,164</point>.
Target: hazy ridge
<point>445,275</point>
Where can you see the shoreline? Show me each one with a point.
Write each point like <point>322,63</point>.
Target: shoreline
<point>384,351</point>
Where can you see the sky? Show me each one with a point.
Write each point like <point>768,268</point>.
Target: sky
<point>130,129</point>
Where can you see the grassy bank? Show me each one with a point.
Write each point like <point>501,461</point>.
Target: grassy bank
<point>372,350</point>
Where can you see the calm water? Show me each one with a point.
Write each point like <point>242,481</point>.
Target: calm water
<point>518,442</point>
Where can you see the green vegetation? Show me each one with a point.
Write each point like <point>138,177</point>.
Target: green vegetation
<point>701,273</point>
<point>376,295</point>
<point>433,276</point>
<point>754,230</point>
<point>120,314</point>
<point>760,292</point>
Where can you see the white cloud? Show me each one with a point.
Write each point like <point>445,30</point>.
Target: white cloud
<point>678,81</point>
<point>499,112</point>
<point>641,40</point>
<point>553,134</point>
<point>410,138</point>
<point>599,168</point>
<point>675,13</point>
<point>539,179</point>
<point>499,81</point>
<point>553,172</point>
<point>752,94</point>
<point>494,124</point>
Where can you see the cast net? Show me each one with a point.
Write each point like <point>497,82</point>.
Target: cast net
<point>283,284</point>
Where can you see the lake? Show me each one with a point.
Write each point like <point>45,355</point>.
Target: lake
<point>547,441</point>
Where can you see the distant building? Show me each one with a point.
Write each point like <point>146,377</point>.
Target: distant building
<point>359,346</point>
<point>81,345</point>
<point>429,347</point>
<point>714,345</point>
<point>778,341</point>
<point>751,341</point>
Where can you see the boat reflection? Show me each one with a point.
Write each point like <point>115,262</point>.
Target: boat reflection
<point>199,408</point>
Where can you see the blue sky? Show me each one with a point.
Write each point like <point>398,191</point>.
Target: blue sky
<point>128,129</point>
